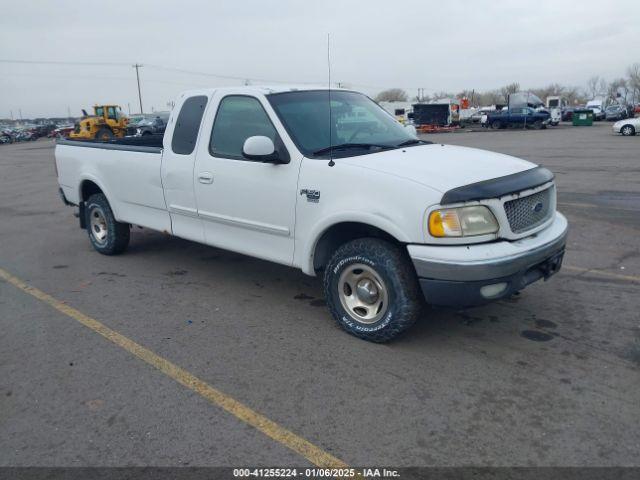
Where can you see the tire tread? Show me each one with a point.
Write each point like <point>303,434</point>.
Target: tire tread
<point>393,260</point>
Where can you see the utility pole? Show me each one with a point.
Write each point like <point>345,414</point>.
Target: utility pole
<point>11,114</point>
<point>20,111</point>
<point>137,66</point>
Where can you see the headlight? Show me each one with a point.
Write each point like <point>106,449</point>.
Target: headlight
<point>462,222</point>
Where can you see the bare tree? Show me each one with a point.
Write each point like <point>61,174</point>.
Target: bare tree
<point>509,89</point>
<point>633,72</point>
<point>392,95</point>
<point>594,86</point>
<point>618,91</point>
<point>442,94</point>
<point>574,95</point>
<point>489,98</point>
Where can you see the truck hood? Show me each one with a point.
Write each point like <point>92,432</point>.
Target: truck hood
<point>441,167</point>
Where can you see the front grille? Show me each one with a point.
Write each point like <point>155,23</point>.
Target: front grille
<point>526,213</point>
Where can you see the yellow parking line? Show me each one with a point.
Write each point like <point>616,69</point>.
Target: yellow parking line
<point>308,450</point>
<point>602,273</point>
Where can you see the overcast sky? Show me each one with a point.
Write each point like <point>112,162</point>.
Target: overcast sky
<point>375,44</point>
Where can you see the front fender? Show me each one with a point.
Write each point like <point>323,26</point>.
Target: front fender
<point>304,255</point>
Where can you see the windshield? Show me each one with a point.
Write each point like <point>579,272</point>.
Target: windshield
<point>356,120</point>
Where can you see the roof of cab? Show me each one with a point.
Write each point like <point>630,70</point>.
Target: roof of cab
<point>259,89</point>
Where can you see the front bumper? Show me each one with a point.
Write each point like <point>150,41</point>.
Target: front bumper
<point>470,275</point>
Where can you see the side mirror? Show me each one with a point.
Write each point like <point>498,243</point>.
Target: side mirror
<point>412,130</point>
<point>260,149</point>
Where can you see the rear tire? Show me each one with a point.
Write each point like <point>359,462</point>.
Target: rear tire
<point>372,290</point>
<point>496,125</point>
<point>537,125</point>
<point>106,234</point>
<point>628,131</point>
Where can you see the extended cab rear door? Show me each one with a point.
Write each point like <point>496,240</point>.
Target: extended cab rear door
<point>246,206</point>
<point>180,142</point>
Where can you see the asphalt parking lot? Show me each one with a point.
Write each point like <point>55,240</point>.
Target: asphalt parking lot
<point>548,377</point>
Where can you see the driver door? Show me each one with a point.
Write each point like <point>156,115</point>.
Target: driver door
<point>246,206</point>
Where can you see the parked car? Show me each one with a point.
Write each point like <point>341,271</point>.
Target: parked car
<point>25,136</point>
<point>598,113</point>
<point>519,117</point>
<point>615,112</point>
<point>597,107</point>
<point>132,126</point>
<point>61,131</point>
<point>387,220</point>
<point>567,114</point>
<point>150,126</point>
<point>477,116</point>
<point>627,127</point>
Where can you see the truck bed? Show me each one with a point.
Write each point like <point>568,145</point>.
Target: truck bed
<point>146,143</point>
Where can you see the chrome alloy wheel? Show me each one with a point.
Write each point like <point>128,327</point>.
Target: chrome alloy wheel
<point>98,225</point>
<point>363,293</point>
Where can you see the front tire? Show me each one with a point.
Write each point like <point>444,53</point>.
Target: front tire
<point>106,234</point>
<point>496,125</point>
<point>628,131</point>
<point>372,290</point>
<point>104,135</point>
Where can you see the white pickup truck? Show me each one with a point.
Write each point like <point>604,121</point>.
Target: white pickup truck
<point>328,182</point>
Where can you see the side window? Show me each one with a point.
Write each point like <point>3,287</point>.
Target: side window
<point>185,133</point>
<point>111,113</point>
<point>239,117</point>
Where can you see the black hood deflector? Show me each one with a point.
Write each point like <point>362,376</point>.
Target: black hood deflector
<point>498,187</point>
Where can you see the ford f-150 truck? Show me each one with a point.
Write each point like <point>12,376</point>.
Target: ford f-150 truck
<point>328,182</point>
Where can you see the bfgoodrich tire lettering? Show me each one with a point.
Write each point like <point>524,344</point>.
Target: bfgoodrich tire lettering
<point>106,234</point>
<point>393,269</point>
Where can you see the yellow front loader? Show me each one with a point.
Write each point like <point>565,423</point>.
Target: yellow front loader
<point>107,122</point>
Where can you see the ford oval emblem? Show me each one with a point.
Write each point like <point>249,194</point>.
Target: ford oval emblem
<point>538,207</point>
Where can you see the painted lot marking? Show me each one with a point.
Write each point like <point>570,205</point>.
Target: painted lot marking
<point>271,429</point>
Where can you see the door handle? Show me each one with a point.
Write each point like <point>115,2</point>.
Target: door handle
<point>205,177</point>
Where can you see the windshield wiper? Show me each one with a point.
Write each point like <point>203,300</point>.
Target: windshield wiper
<point>413,141</point>
<point>345,146</point>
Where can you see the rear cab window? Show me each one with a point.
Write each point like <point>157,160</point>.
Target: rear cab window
<point>187,126</point>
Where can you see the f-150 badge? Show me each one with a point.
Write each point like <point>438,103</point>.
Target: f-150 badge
<point>312,195</point>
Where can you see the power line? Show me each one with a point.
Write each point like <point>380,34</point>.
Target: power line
<point>103,77</point>
<point>52,62</point>
<point>239,78</point>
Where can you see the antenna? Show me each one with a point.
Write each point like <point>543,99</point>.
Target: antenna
<point>331,162</point>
